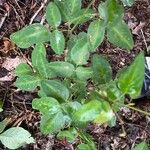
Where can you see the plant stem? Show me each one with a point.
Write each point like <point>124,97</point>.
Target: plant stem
<point>139,110</point>
<point>91,3</point>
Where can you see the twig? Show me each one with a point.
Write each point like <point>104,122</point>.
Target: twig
<point>3,20</point>
<point>37,12</point>
<point>144,40</point>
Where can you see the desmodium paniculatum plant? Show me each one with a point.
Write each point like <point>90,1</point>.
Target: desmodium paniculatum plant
<point>73,92</point>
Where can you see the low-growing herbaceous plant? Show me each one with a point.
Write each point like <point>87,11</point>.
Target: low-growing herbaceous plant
<point>80,88</point>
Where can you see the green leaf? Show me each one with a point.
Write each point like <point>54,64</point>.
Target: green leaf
<point>3,125</point>
<point>78,89</point>
<point>87,112</point>
<point>57,42</point>
<point>84,73</point>
<point>79,52</point>
<point>83,147</point>
<point>55,89</point>
<point>27,82</point>
<point>61,69</point>
<point>53,15</point>
<point>16,137</point>
<point>23,69</point>
<point>46,105</point>
<point>141,146</point>
<point>96,32</point>
<point>105,115</point>
<point>130,81</point>
<point>39,60</point>
<point>111,11</point>
<point>52,123</point>
<point>128,2</point>
<point>70,135</point>
<point>102,72</point>
<point>81,16</point>
<point>120,35</point>
<point>111,92</point>
<point>30,35</point>
<point>39,49</point>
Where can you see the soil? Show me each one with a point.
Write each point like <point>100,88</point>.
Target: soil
<point>17,104</point>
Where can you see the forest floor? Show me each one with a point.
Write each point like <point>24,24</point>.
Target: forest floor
<point>14,15</point>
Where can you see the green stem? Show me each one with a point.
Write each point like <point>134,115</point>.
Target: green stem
<point>91,3</point>
<point>138,110</point>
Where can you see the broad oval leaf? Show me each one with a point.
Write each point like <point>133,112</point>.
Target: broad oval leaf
<point>16,137</point>
<point>23,69</point>
<point>69,135</point>
<point>30,35</point>
<point>96,32</point>
<point>46,105</point>
<point>120,35</point>
<point>83,147</point>
<point>81,16</point>
<point>128,2</point>
<point>57,42</point>
<point>130,81</point>
<point>87,112</point>
<point>141,146</point>
<point>53,15</point>
<point>105,115</point>
<point>79,52</point>
<point>61,69</point>
<point>111,11</point>
<point>27,82</point>
<point>84,73</point>
<point>55,89</point>
<point>39,49</point>
<point>52,123</point>
<point>39,60</point>
<point>102,72</point>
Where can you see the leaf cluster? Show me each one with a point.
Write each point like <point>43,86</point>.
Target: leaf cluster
<point>66,99</point>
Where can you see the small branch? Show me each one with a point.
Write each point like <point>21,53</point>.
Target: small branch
<point>37,12</point>
<point>3,20</point>
<point>138,110</point>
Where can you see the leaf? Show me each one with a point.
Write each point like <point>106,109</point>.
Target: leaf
<point>105,115</point>
<point>30,35</point>
<point>61,69</point>
<point>79,52</point>
<point>120,35</point>
<point>57,42</point>
<point>84,73</point>
<point>128,2</point>
<point>111,92</point>
<point>81,16</point>
<point>16,137</point>
<point>96,33</point>
<point>87,112</point>
<point>111,11</point>
<point>53,15</point>
<point>27,82</point>
<point>73,5</point>
<point>52,123</point>
<point>39,50</point>
<point>46,105</point>
<point>130,81</point>
<point>23,69</point>
<point>3,125</point>
<point>69,135</point>
<point>102,72</point>
<point>141,146</point>
<point>39,60</point>
<point>55,89</point>
<point>83,147</point>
